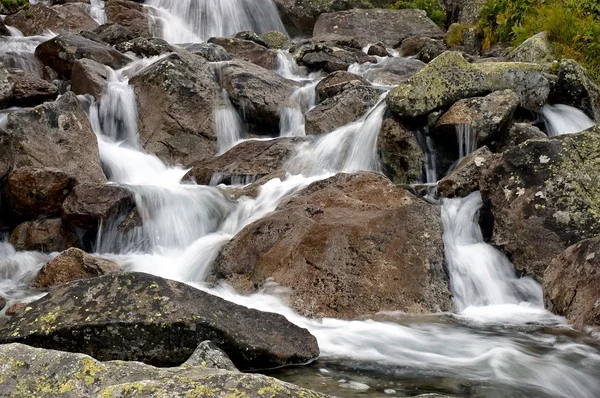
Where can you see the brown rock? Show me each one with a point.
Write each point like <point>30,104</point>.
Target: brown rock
<point>49,235</point>
<point>330,57</point>
<point>401,155</point>
<point>71,265</point>
<point>464,179</point>
<point>15,309</point>
<point>413,45</point>
<point>379,50</point>
<point>347,246</point>
<point>39,18</point>
<point>516,135</point>
<point>572,283</point>
<point>30,90</point>
<point>38,192</point>
<point>89,77</point>
<point>248,51</point>
<point>128,14</point>
<point>336,82</point>
<point>2,303</point>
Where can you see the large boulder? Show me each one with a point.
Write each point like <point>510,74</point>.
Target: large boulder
<point>577,88</point>
<point>28,371</point>
<point>336,82</point>
<point>176,99</point>
<point>535,49</point>
<point>401,156</point>
<point>70,265</point>
<point>330,57</point>
<point>247,160</point>
<point>39,18</point>
<point>61,52</point>
<point>248,51</point>
<point>347,246</point>
<point>390,27</point>
<point>449,78</point>
<point>544,196</point>
<point>259,92</point>
<point>113,33</point>
<point>55,134</point>
<point>344,108</point>
<point>29,90</point>
<point>141,317</point>
<point>47,235</point>
<point>486,117</point>
<point>89,77</point>
<point>37,192</point>
<point>129,14</point>
<point>572,283</point>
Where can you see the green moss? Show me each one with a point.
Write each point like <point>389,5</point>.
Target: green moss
<point>434,8</point>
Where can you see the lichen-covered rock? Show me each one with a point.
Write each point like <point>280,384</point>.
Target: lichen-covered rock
<point>48,235</point>
<point>28,371</point>
<point>145,47</point>
<point>71,265</point>
<point>344,108</point>
<point>260,93</point>
<point>485,116</point>
<point>40,18</point>
<point>61,52</point>
<point>336,82</point>
<point>464,178</point>
<point>449,78</point>
<point>113,33</point>
<point>544,195</point>
<point>347,246</point>
<point>276,40</point>
<point>401,155</point>
<point>56,134</point>
<point>431,51</point>
<point>463,11</point>
<point>572,283</point>
<point>577,88</point>
<point>372,26</point>
<point>247,50</point>
<point>37,192</point>
<point>248,160</point>
<point>141,317</point>
<point>176,98</point>
<point>89,77</point>
<point>210,356</point>
<point>535,49</point>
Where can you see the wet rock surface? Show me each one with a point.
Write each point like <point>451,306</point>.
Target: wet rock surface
<point>40,18</point>
<point>140,317</point>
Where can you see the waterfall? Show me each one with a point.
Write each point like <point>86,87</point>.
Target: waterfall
<point>291,122</point>
<point>228,125</point>
<point>467,141</point>
<point>183,21</point>
<point>565,119</point>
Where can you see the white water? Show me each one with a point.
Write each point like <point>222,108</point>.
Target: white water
<point>187,21</point>
<point>228,125</point>
<point>467,141</point>
<point>565,119</point>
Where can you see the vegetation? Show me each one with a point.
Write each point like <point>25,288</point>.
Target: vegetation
<point>434,9</point>
<point>12,6</point>
<point>573,26</point>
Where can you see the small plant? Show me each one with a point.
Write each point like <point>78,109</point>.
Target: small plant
<point>12,6</point>
<point>434,9</point>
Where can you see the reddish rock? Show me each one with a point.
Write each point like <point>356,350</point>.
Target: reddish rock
<point>49,235</point>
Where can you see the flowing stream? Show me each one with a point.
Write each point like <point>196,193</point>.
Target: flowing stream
<point>500,342</point>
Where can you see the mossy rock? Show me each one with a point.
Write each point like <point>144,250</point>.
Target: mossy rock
<point>535,49</point>
<point>276,40</point>
<point>449,78</point>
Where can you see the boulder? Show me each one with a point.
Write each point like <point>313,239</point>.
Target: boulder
<point>47,235</point>
<point>486,116</point>
<point>336,82</point>
<point>129,14</point>
<point>431,51</point>
<point>393,70</point>
<point>535,49</point>
<point>348,246</point>
<point>55,134</point>
<point>464,178</point>
<point>572,283</point>
<point>176,98</point>
<point>414,44</point>
<point>330,57</point>
<point>71,265</point>
<point>251,36</point>
<point>344,108</point>
<point>39,18</point>
<point>402,159</point>
<point>145,47</point>
<point>89,77</point>
<point>465,12</point>
<point>544,197</point>
<point>449,78</point>
<point>379,50</point>
<point>517,134</point>
<point>247,50</point>
<point>210,52</point>
<point>61,52</point>
<point>210,356</point>
<point>390,27</point>
<point>259,92</point>
<point>114,33</point>
<point>89,205</point>
<point>141,317</point>
<point>29,371</point>
<point>276,40</point>
<point>7,86</point>
<point>37,192</point>
<point>29,90</point>
<point>577,88</point>
<point>248,160</point>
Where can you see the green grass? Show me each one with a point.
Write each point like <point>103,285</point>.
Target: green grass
<point>434,9</point>
<point>573,26</point>
<point>11,6</point>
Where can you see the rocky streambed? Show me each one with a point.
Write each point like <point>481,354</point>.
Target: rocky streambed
<point>292,198</point>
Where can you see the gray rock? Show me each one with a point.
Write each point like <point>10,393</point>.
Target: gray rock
<point>336,82</point>
<point>401,156</point>
<point>210,52</point>
<point>30,90</point>
<point>276,40</point>
<point>247,50</point>
<point>535,49</point>
<point>517,134</point>
<point>89,77</point>
<point>210,356</point>
<point>114,33</point>
<point>414,44</point>
<point>141,317</point>
<point>464,178</point>
<point>252,36</point>
<point>371,26</point>
<point>449,78</point>
<point>29,371</point>
<point>393,70</point>
<point>330,57</point>
<point>576,87</point>
<point>145,47</point>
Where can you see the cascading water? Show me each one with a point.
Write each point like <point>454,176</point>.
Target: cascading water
<point>184,21</point>
<point>467,142</point>
<point>228,124</point>
<point>565,119</point>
